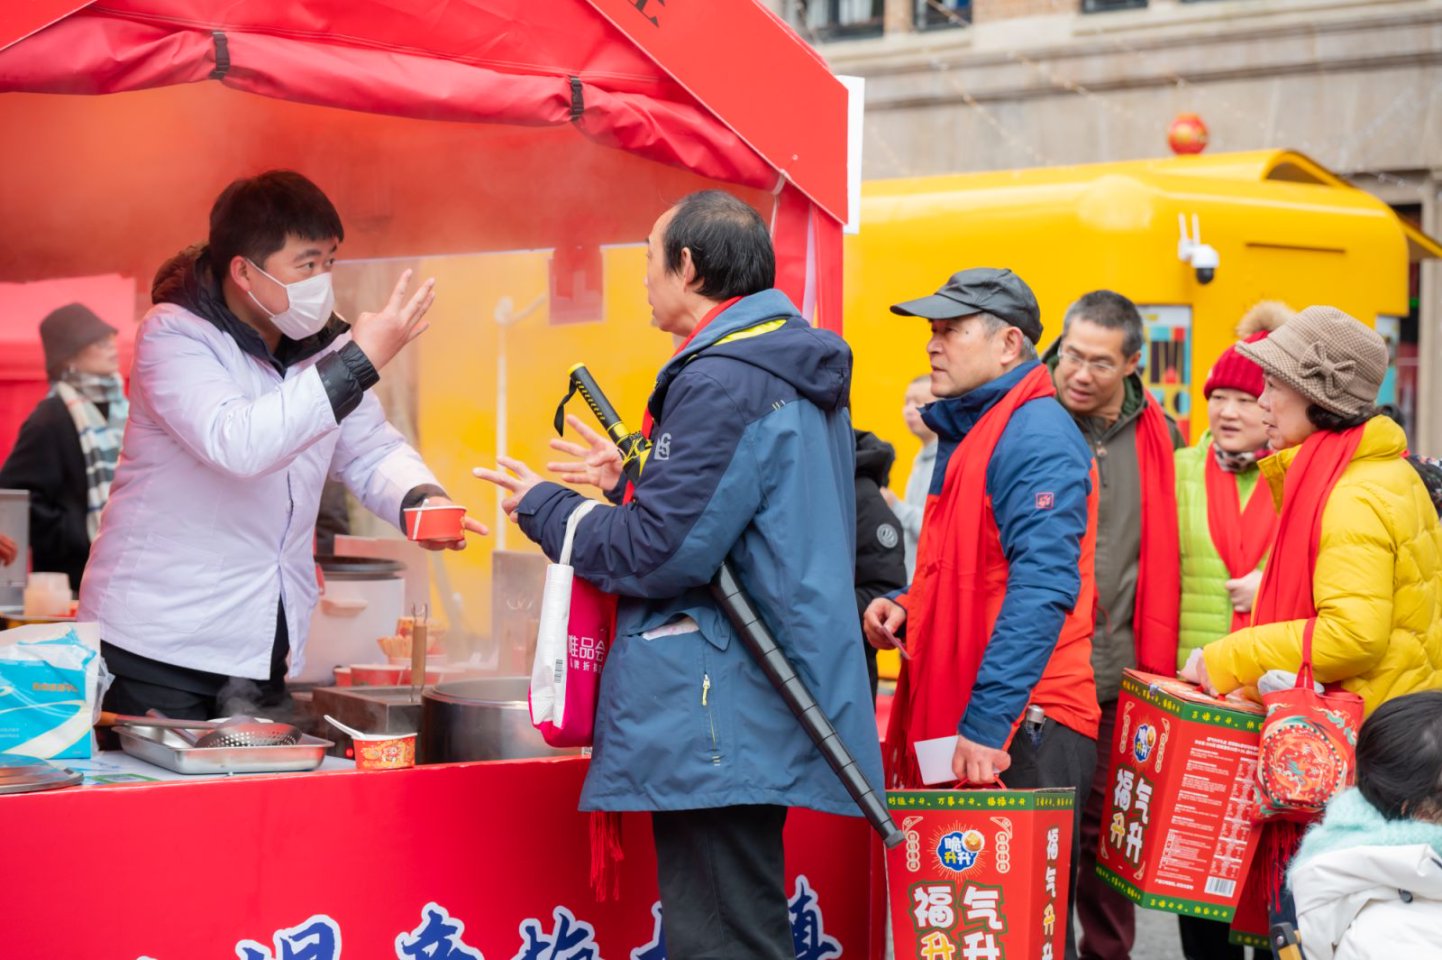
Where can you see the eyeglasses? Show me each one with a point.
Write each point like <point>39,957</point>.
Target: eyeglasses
<point>1102,368</point>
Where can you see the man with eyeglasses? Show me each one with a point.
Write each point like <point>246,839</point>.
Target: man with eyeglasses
<point>997,620</point>
<point>1094,367</point>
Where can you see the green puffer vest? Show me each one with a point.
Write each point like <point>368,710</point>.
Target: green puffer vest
<point>1206,611</point>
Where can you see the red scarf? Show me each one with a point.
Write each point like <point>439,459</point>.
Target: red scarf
<point>1159,573</point>
<point>1286,591</point>
<point>648,421</point>
<point>1241,538</point>
<point>950,611</point>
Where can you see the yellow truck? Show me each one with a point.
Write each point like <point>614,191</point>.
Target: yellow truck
<point>1194,241</point>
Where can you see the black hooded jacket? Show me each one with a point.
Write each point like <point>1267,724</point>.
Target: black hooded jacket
<point>880,552</point>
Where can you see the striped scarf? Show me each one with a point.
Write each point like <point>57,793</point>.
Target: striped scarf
<point>99,436</point>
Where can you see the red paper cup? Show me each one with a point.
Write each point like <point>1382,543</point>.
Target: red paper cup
<point>440,522</point>
<point>385,752</point>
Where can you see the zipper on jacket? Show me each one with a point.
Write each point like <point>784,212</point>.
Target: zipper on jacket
<point>710,717</point>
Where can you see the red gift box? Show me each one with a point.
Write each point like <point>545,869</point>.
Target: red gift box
<point>1176,832</point>
<point>983,874</point>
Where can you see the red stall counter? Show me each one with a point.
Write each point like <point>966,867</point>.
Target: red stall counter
<point>455,860</point>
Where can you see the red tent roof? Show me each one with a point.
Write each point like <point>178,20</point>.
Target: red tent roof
<point>725,91</point>
<point>734,95</point>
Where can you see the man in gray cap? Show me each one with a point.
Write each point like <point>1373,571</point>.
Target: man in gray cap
<point>997,620</point>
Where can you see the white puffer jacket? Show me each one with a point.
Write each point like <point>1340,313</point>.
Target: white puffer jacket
<point>1367,887</point>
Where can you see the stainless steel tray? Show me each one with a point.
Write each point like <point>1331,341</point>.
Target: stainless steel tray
<point>164,749</point>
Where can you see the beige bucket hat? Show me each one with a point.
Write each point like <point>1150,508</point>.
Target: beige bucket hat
<point>1330,358</point>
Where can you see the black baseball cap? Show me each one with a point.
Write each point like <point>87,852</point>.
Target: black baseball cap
<point>1000,293</point>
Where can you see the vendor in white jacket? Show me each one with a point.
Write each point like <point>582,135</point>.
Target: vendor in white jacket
<point>1368,878</point>
<point>246,393</point>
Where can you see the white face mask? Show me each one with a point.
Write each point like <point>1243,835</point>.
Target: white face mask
<point>311,302</point>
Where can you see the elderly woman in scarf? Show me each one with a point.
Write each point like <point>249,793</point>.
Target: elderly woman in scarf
<point>1358,547</point>
<point>67,448</point>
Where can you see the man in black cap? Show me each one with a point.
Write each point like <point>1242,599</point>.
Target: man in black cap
<point>998,617</point>
<point>66,452</point>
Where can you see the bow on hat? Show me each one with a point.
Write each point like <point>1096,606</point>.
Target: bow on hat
<point>1335,374</point>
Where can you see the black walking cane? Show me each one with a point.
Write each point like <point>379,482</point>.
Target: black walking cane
<point>754,635</point>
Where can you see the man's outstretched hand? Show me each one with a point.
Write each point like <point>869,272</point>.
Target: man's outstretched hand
<point>518,482</point>
<point>598,464</point>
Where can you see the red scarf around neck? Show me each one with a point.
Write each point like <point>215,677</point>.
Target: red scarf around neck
<point>950,611</point>
<point>1286,589</point>
<point>1159,573</point>
<point>1286,592</point>
<point>1241,537</point>
<point>648,421</point>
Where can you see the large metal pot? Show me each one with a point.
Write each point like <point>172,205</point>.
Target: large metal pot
<point>486,719</point>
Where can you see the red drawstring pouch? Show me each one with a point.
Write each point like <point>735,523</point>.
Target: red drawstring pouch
<point>1309,745</point>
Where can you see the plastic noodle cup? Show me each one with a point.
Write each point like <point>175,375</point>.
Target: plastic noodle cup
<point>439,522</point>
<point>385,751</point>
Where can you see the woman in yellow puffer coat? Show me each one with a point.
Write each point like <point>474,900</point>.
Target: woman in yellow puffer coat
<point>1358,550</point>
<point>1377,581</point>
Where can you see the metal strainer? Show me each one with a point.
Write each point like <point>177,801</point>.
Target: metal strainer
<point>247,732</point>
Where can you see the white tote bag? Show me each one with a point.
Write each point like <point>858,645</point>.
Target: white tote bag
<point>577,625</point>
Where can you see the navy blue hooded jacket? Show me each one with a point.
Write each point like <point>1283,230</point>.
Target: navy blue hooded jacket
<point>752,459</point>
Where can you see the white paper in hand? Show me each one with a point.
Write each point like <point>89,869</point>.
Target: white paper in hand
<point>933,759</point>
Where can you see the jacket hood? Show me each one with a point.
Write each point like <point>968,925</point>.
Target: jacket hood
<point>1382,439</point>
<point>874,457</point>
<point>817,363</point>
<point>187,281</point>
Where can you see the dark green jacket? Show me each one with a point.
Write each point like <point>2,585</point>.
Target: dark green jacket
<point>1119,532</point>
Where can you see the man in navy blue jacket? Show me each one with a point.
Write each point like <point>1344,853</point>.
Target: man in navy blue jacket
<point>752,459</point>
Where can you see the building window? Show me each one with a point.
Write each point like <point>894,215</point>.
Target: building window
<point>1101,6</point>
<point>840,19</point>
<point>937,14</point>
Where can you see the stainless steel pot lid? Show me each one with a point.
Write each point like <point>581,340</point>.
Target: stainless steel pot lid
<point>507,691</point>
<point>359,568</point>
<point>26,774</point>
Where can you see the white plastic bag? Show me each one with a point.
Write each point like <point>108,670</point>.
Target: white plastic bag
<point>52,680</point>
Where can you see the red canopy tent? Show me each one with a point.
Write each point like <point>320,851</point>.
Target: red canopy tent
<point>438,127</point>
<point>102,185</point>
